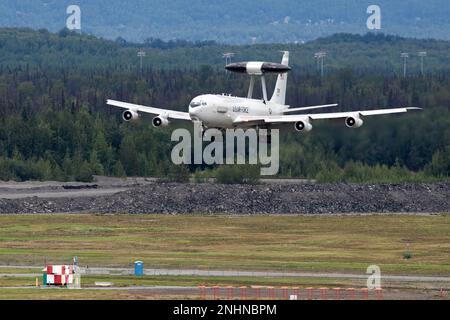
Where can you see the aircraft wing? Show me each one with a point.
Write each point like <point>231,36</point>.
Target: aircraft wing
<point>316,116</point>
<point>310,108</point>
<point>155,111</point>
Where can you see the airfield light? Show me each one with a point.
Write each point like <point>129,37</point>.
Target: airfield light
<point>324,293</point>
<point>271,293</point>
<point>216,290</point>
<point>230,293</point>
<point>379,293</point>
<point>365,293</point>
<point>285,293</point>
<point>243,292</point>
<point>337,293</point>
<point>202,292</point>
<point>351,294</point>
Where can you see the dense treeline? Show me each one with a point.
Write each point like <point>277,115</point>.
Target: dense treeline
<point>371,53</point>
<point>55,125</point>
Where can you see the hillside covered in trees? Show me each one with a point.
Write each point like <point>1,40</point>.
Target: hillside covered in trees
<point>374,53</point>
<point>231,21</point>
<point>55,125</point>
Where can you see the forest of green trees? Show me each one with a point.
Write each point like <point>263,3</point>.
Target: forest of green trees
<point>231,21</point>
<point>54,123</point>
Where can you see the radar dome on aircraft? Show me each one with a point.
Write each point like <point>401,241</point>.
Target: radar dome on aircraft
<point>257,67</point>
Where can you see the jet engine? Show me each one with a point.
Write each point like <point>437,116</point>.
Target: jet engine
<point>130,115</point>
<point>354,121</point>
<point>160,122</point>
<point>303,126</point>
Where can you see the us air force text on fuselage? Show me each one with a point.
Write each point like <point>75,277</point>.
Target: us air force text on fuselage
<point>198,312</point>
<point>239,109</point>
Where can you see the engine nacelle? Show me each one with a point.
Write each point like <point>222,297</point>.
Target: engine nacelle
<point>303,126</point>
<point>160,122</point>
<point>130,115</point>
<point>354,121</point>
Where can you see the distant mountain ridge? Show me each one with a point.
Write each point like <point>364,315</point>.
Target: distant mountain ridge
<point>231,21</point>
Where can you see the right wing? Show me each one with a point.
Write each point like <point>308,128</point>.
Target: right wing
<point>318,116</point>
<point>155,111</point>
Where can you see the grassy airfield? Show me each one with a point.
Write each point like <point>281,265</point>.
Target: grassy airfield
<point>399,244</point>
<point>275,243</point>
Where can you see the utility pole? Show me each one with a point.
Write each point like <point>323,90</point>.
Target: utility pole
<point>228,57</point>
<point>422,55</point>
<point>404,56</point>
<point>141,54</point>
<point>320,57</point>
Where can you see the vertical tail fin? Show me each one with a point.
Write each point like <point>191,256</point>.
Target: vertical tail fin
<point>279,94</point>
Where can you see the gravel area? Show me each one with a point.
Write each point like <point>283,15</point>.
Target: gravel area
<point>276,198</point>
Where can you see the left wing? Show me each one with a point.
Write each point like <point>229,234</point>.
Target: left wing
<point>155,111</point>
<point>317,116</point>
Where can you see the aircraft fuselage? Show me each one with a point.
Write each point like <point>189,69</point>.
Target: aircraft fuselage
<point>219,111</point>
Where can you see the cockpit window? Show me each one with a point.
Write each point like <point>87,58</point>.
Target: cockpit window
<point>195,104</point>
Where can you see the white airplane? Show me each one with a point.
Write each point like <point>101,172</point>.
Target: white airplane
<point>226,111</point>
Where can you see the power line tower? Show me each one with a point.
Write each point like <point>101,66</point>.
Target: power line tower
<point>141,54</point>
<point>320,57</point>
<point>422,55</point>
<point>404,56</point>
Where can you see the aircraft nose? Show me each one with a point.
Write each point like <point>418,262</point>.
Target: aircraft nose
<point>194,113</point>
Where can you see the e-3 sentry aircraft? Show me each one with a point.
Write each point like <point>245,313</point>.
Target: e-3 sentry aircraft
<point>226,111</point>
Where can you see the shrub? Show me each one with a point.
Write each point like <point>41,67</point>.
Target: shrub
<point>439,166</point>
<point>238,174</point>
<point>202,176</point>
<point>329,173</point>
<point>178,174</point>
<point>85,173</point>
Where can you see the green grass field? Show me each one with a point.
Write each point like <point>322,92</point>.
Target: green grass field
<point>278,243</point>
